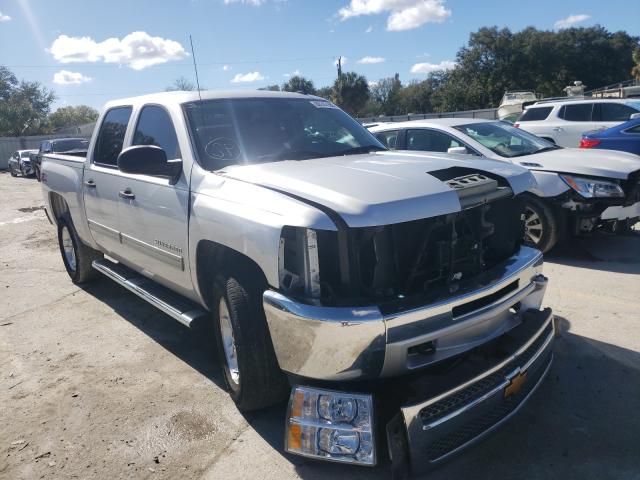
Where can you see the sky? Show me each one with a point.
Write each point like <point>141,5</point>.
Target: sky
<point>92,51</point>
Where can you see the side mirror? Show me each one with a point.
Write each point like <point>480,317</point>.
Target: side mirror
<point>458,150</point>
<point>634,116</point>
<point>149,160</point>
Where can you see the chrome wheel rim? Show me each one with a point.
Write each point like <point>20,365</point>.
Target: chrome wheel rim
<point>532,226</point>
<point>68,250</point>
<point>228,342</point>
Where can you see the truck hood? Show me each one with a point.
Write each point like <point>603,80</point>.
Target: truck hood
<point>581,161</point>
<point>379,188</point>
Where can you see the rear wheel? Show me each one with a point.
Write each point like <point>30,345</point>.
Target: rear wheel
<point>12,171</point>
<point>541,226</point>
<point>251,369</point>
<point>76,256</point>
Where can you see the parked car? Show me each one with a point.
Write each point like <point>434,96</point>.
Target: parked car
<point>389,295</point>
<point>563,122</point>
<point>577,190</point>
<point>69,146</point>
<point>624,137</point>
<point>20,163</point>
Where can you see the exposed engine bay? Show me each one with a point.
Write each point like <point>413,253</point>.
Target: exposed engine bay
<point>421,260</point>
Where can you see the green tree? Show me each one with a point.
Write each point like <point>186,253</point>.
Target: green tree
<point>298,83</point>
<point>72,116</point>
<point>182,84</point>
<point>325,92</point>
<point>351,92</point>
<point>635,71</point>
<point>24,105</point>
<point>272,88</point>
<point>385,93</point>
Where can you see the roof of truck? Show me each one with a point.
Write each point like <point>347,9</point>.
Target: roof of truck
<point>184,97</point>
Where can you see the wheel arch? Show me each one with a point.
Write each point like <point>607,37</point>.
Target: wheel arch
<point>59,206</point>
<point>214,259</point>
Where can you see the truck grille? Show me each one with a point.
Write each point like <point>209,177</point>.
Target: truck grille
<point>480,424</point>
<point>474,391</point>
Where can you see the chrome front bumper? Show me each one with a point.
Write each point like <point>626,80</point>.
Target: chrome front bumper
<point>331,343</point>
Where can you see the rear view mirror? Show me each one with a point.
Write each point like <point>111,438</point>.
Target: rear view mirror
<point>458,150</point>
<point>149,160</point>
<point>634,116</point>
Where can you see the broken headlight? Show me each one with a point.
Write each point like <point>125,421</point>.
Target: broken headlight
<point>593,188</point>
<point>330,425</point>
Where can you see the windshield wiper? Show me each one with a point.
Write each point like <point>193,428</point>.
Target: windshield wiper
<point>363,149</point>
<point>291,155</point>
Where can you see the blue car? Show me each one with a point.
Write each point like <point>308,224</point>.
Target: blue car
<point>624,137</point>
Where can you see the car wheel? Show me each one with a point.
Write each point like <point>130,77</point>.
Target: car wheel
<point>76,256</point>
<point>541,228</point>
<point>12,171</point>
<point>251,370</point>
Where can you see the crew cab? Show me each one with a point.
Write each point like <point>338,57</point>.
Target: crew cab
<point>388,296</point>
<point>577,190</point>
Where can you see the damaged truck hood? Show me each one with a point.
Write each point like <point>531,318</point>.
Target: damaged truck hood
<point>379,188</point>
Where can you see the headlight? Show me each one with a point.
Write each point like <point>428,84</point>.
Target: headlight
<point>298,263</point>
<point>330,425</point>
<point>592,188</point>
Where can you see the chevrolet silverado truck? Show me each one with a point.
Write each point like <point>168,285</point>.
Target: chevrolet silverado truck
<point>389,297</point>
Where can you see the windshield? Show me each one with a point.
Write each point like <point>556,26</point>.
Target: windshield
<point>70,144</point>
<point>253,130</point>
<point>505,140</point>
<point>25,154</point>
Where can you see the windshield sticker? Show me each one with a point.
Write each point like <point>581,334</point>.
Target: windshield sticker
<point>322,104</point>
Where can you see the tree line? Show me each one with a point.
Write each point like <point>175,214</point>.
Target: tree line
<point>493,60</point>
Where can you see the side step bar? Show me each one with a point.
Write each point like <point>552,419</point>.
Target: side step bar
<point>176,306</point>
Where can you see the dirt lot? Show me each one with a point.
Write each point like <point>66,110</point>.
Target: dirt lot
<point>94,383</point>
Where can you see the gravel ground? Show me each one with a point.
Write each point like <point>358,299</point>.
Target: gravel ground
<point>95,383</point>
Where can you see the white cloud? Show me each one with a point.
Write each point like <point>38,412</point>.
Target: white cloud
<point>370,60</point>
<point>253,3</point>
<point>369,29</point>
<point>432,67</point>
<point>295,73</point>
<point>403,14</point>
<point>570,21</point>
<point>247,77</point>
<point>138,50</point>
<point>226,68</point>
<point>4,18</point>
<point>65,77</point>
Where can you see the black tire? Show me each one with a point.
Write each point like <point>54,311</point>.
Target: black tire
<point>542,226</point>
<point>12,171</point>
<point>80,269</point>
<point>260,383</point>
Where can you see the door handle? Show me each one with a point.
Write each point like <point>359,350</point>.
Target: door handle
<point>90,184</point>
<point>127,194</point>
<point>558,129</point>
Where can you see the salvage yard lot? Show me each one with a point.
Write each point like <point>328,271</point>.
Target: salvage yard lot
<point>95,383</point>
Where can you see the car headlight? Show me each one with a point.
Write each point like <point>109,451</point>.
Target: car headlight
<point>298,263</point>
<point>330,425</point>
<point>593,188</point>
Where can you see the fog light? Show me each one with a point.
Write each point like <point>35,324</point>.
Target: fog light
<point>330,425</point>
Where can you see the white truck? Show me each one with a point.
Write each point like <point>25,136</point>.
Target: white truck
<point>389,297</point>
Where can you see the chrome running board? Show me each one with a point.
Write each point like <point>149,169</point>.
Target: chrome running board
<point>174,305</point>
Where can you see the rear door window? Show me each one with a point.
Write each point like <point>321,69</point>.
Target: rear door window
<point>613,112</point>
<point>111,136</point>
<point>430,141</point>
<point>635,129</point>
<point>155,128</point>
<point>579,112</point>
<point>538,113</point>
<point>388,139</point>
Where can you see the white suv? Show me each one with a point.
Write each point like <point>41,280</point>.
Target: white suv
<point>563,122</point>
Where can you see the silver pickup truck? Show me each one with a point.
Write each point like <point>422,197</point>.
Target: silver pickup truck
<point>389,296</point>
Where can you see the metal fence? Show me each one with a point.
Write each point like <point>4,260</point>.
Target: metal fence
<point>488,113</point>
<point>8,145</point>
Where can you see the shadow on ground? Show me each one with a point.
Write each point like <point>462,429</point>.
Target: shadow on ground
<point>602,251</point>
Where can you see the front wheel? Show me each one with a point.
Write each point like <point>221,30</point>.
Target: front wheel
<point>541,226</point>
<point>12,171</point>
<point>76,256</point>
<point>251,369</point>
